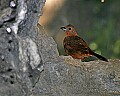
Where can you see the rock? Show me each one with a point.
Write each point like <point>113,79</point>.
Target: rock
<point>20,59</point>
<point>30,64</point>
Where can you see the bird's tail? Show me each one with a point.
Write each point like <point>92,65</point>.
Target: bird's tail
<point>99,56</point>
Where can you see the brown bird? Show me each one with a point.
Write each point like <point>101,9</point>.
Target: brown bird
<point>75,46</point>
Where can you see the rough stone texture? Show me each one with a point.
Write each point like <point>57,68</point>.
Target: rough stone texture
<point>20,58</point>
<point>31,66</point>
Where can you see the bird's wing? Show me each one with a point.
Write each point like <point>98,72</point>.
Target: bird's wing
<point>76,44</point>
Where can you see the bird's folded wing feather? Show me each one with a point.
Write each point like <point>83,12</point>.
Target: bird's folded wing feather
<point>76,43</point>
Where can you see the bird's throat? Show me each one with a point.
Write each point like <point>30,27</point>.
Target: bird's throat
<point>71,34</point>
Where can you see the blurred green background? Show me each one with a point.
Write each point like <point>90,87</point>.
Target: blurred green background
<point>96,22</point>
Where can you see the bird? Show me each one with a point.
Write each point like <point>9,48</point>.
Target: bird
<point>75,46</point>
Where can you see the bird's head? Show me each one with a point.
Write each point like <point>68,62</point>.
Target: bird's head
<point>69,30</point>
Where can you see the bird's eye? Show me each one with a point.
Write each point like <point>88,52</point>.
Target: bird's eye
<point>69,28</point>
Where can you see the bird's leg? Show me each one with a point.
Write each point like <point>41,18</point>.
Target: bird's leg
<point>83,59</point>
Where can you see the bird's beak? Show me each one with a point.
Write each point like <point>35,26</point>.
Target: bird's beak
<point>63,28</point>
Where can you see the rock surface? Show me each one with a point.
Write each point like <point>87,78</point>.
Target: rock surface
<point>31,66</point>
